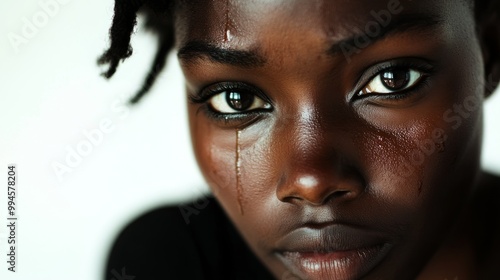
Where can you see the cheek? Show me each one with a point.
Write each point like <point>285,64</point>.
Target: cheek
<point>216,154</point>
<point>427,163</point>
<point>399,166</point>
<point>238,169</point>
<point>233,163</point>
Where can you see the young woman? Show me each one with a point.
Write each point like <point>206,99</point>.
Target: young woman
<point>341,140</point>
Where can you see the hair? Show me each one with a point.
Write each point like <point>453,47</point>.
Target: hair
<point>159,18</point>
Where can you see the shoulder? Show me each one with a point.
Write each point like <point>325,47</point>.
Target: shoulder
<point>166,242</point>
<point>189,241</point>
<point>486,202</point>
<point>487,224</point>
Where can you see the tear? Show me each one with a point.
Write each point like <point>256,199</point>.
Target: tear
<point>238,171</point>
<point>227,31</point>
<point>228,36</point>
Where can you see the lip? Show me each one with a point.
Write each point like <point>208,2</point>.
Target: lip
<point>332,252</point>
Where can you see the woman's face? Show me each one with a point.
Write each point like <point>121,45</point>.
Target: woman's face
<point>341,137</point>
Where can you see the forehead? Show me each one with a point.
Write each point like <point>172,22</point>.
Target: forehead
<point>243,22</point>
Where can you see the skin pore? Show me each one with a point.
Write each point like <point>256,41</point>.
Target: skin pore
<point>336,165</point>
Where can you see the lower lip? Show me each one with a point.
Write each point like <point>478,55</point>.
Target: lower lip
<point>339,265</point>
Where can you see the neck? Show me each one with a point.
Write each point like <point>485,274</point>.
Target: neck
<point>471,247</point>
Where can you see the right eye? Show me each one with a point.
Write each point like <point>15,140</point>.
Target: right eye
<point>233,101</point>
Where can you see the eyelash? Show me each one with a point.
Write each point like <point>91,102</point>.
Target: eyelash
<point>425,68</point>
<point>227,118</point>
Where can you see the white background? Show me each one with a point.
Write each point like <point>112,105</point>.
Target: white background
<point>50,93</point>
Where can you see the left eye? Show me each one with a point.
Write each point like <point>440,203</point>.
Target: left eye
<point>393,80</point>
<point>230,101</point>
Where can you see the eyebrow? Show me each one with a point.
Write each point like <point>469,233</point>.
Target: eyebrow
<point>194,50</point>
<point>403,23</point>
<point>198,49</point>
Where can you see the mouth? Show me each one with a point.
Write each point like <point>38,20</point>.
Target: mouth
<point>333,252</point>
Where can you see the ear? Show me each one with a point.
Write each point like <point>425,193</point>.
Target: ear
<point>488,28</point>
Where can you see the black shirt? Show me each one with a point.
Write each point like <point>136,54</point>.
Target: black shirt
<point>192,241</point>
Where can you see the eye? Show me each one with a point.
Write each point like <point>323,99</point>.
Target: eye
<point>232,101</point>
<point>392,80</point>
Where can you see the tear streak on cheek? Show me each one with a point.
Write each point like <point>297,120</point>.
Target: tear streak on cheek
<point>239,192</point>
<point>400,157</point>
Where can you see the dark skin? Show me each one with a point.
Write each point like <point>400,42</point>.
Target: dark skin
<point>319,162</point>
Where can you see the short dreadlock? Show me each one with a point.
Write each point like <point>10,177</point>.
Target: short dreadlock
<point>159,19</point>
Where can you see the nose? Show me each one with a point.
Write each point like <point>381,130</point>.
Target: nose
<point>318,166</point>
<point>318,186</point>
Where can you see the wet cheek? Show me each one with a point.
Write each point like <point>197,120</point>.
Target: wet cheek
<point>409,155</point>
<point>409,166</point>
<point>218,167</point>
<point>407,163</point>
<point>216,157</point>
<point>394,161</point>
<point>259,174</point>
<point>259,179</point>
<point>235,165</point>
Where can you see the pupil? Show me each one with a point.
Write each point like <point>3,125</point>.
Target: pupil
<point>239,101</point>
<point>396,79</point>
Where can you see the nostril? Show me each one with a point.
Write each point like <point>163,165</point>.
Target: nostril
<point>340,193</point>
<point>317,186</point>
